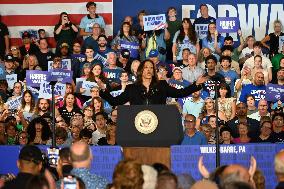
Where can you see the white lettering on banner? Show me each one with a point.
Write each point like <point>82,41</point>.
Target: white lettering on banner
<point>223,149</point>
<point>254,19</point>
<point>38,77</point>
<point>258,94</point>
<point>45,90</point>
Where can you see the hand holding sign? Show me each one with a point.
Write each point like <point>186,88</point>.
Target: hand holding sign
<point>154,22</point>
<point>100,83</point>
<point>228,24</point>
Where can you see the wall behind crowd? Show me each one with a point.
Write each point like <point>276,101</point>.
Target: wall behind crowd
<point>256,19</point>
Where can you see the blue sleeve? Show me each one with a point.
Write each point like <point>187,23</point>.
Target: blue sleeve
<point>203,140</point>
<point>244,94</point>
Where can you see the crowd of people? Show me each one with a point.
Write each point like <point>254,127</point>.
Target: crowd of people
<point>214,84</point>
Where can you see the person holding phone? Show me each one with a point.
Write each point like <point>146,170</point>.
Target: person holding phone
<point>65,31</point>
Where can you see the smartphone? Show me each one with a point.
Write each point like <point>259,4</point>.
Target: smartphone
<point>53,155</point>
<point>69,182</point>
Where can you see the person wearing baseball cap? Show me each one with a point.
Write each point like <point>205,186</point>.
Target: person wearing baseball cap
<point>29,163</point>
<point>28,47</point>
<point>226,135</point>
<point>124,60</point>
<point>154,56</point>
<point>9,64</point>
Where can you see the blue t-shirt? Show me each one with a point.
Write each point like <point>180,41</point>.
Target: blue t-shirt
<point>257,91</point>
<point>210,45</point>
<point>230,77</point>
<point>113,74</point>
<point>197,139</point>
<point>87,23</point>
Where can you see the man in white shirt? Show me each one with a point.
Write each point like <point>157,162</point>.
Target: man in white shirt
<point>101,126</point>
<point>262,110</point>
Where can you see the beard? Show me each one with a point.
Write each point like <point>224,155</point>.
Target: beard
<point>102,45</point>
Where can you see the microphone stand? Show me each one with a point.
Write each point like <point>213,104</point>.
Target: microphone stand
<point>217,127</point>
<point>53,142</point>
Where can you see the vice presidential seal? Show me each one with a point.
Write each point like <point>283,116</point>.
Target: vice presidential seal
<point>146,122</point>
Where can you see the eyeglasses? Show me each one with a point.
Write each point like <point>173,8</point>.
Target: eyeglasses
<point>13,49</point>
<point>189,121</point>
<point>22,137</point>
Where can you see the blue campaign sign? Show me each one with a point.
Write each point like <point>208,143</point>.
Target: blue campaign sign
<point>2,72</point>
<point>103,164</point>
<point>274,92</point>
<point>228,24</point>
<point>256,18</point>
<point>133,47</point>
<point>184,158</point>
<point>35,77</point>
<point>64,76</point>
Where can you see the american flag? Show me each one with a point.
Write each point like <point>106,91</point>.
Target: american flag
<point>21,15</point>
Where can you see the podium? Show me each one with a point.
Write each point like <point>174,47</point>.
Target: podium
<point>146,132</point>
<point>148,126</point>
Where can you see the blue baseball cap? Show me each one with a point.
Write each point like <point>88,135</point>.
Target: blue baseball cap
<point>153,53</point>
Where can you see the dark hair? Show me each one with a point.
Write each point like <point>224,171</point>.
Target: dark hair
<point>31,130</point>
<point>224,86</point>
<point>228,38</point>
<point>90,3</point>
<point>225,58</point>
<point>140,69</point>
<point>257,56</point>
<point>266,121</point>
<point>37,182</point>
<point>164,180</point>
<point>23,103</point>
<point>100,113</point>
<point>61,132</point>
<point>191,32</point>
<point>257,44</point>
<point>60,18</point>
<point>91,76</point>
<point>42,39</point>
<point>89,47</point>
<point>278,114</point>
<point>227,47</point>
<point>121,34</point>
<point>203,4</point>
<point>211,57</point>
<point>171,8</point>
<point>159,167</point>
<point>250,95</point>
<point>209,38</point>
<point>99,99</point>
<point>85,133</point>
<point>64,153</point>
<point>40,30</point>
<point>38,102</point>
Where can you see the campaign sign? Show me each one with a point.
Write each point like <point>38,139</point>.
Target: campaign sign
<point>64,76</point>
<point>112,74</point>
<point>133,47</point>
<point>45,90</point>
<point>102,59</point>
<point>14,103</point>
<point>35,77</point>
<point>79,82</point>
<point>116,93</point>
<point>201,30</point>
<point>228,24</point>
<point>274,92</point>
<point>154,22</point>
<point>281,43</point>
<point>87,85</point>
<point>66,64</point>
<point>2,72</point>
<point>11,79</point>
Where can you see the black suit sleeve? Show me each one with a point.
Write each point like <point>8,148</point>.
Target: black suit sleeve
<point>179,93</point>
<point>118,100</point>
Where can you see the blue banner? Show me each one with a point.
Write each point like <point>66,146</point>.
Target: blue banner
<point>228,24</point>
<point>256,18</point>
<point>2,72</point>
<point>133,47</point>
<point>274,92</point>
<point>35,77</point>
<point>64,76</point>
<point>103,164</point>
<point>184,158</point>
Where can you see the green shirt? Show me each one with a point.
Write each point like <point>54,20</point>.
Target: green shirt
<point>236,55</point>
<point>173,27</point>
<point>276,61</point>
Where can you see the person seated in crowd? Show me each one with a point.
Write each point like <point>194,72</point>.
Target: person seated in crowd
<point>258,68</point>
<point>101,127</point>
<point>18,59</point>
<point>207,131</point>
<point>86,69</point>
<point>225,135</point>
<point>9,65</point>
<point>77,51</point>
<point>43,107</point>
<point>17,91</point>
<point>28,102</point>
<point>133,68</point>
<point>262,110</point>
<point>167,179</point>
<point>207,110</point>
<point>192,71</point>
<point>227,50</point>
<point>112,71</point>
<point>88,118</point>
<point>192,136</point>
<point>194,105</point>
<point>278,125</point>
<point>247,51</point>
<point>28,48</point>
<point>266,63</point>
<point>184,61</point>
<point>177,80</point>
<point>89,52</point>
<point>60,136</point>
<point>241,117</point>
<point>11,133</point>
<point>214,77</point>
<point>265,133</point>
<point>92,40</point>
<point>273,39</point>
<point>251,104</point>
<point>86,136</point>
<point>154,56</point>
<point>110,138</point>
<point>22,138</point>
<point>44,55</point>
<point>243,134</point>
<point>97,105</point>
<point>124,60</point>
<point>103,50</point>
<point>29,63</point>
<point>230,75</point>
<point>38,131</point>
<point>186,37</point>
<point>214,41</point>
<point>257,89</point>
<point>226,103</point>
<point>203,54</point>
<point>228,41</point>
<point>246,79</point>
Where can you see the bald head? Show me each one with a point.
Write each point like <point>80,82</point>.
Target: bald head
<point>259,78</point>
<point>239,171</point>
<point>204,184</point>
<point>80,152</point>
<point>279,164</point>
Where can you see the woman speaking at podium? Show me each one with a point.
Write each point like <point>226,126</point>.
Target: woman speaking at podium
<point>148,89</point>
